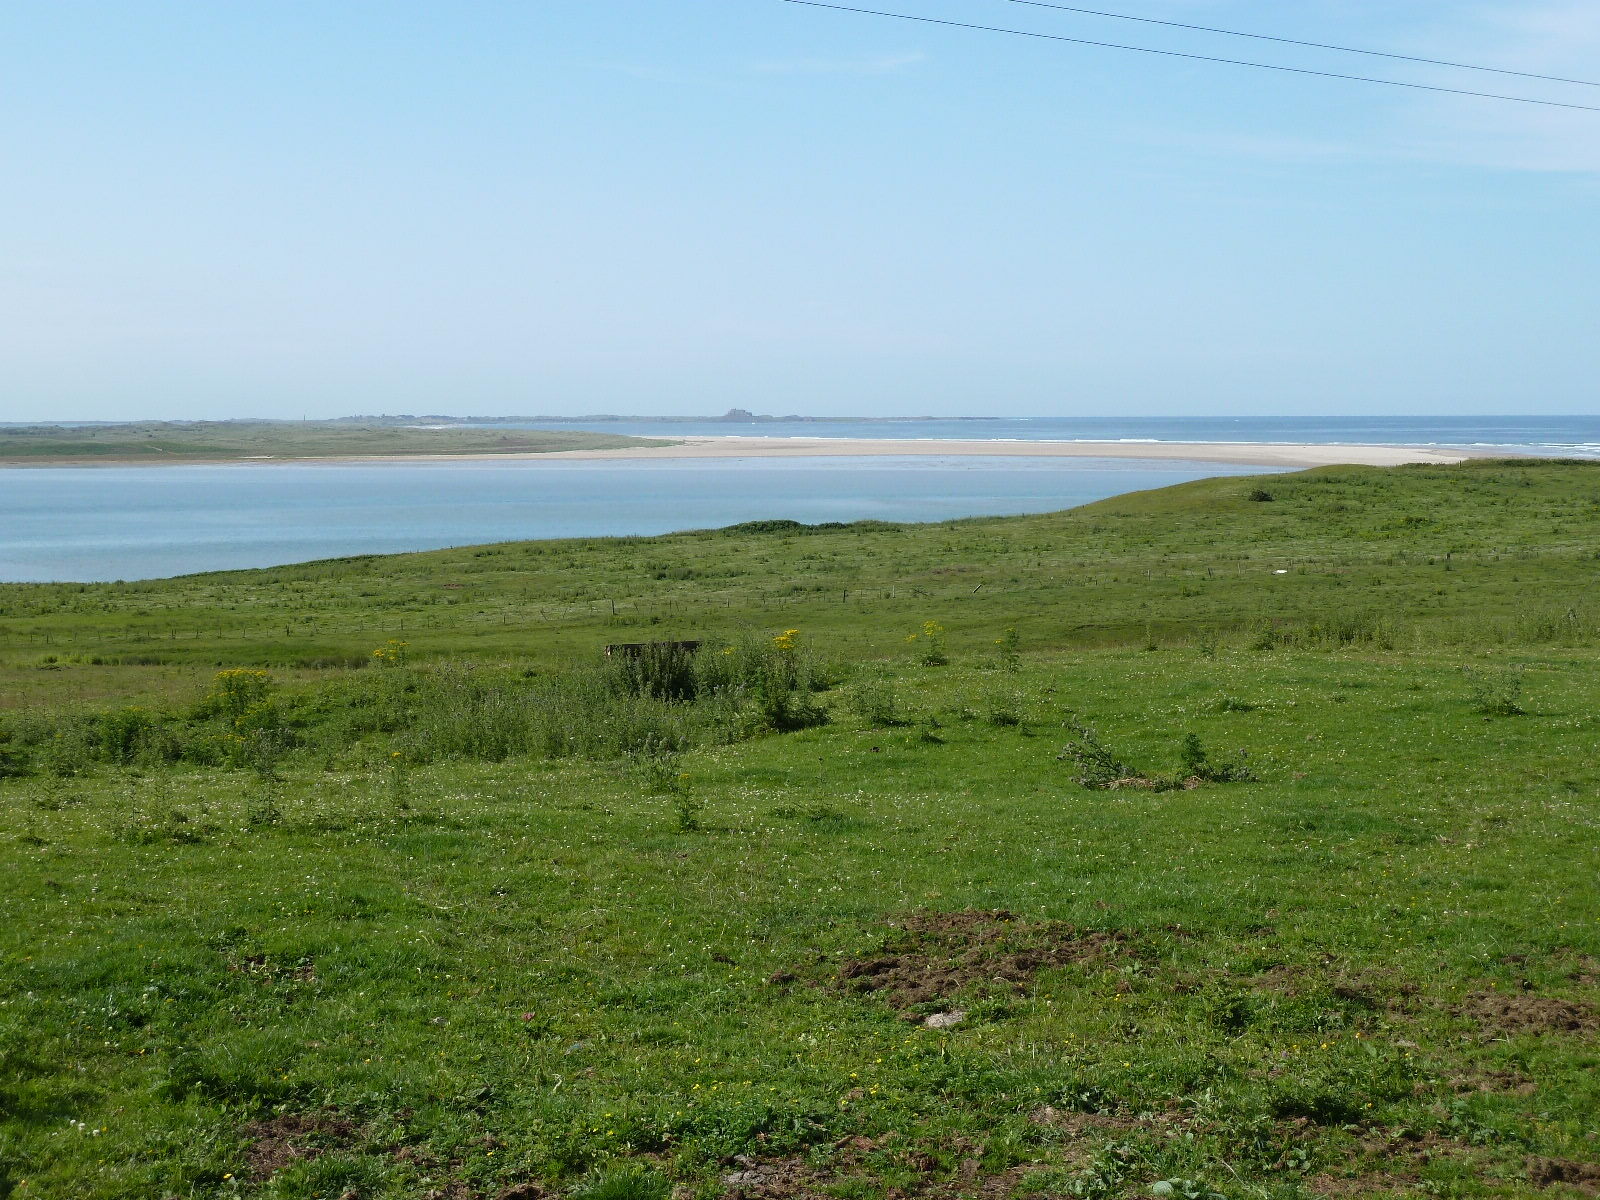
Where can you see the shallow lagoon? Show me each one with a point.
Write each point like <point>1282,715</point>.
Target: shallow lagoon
<point>101,523</point>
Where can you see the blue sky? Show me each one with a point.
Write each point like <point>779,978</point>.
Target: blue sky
<point>294,208</point>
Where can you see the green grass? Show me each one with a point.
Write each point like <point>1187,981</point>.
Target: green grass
<point>176,441</point>
<point>1374,971</point>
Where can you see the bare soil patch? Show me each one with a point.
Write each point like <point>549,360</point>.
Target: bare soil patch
<point>1374,1184</point>
<point>932,956</point>
<point>282,1141</point>
<point>1560,1172</point>
<point>1505,1082</point>
<point>265,969</point>
<point>796,1179</point>
<point>1402,1154</point>
<point>1374,990</point>
<point>1498,1014</point>
<point>522,1191</point>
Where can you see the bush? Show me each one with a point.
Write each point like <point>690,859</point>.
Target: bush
<point>1495,692</point>
<point>875,702</point>
<point>661,670</point>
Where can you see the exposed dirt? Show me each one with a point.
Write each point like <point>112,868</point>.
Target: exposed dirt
<point>1375,1184</point>
<point>522,1191</point>
<point>265,969</point>
<point>1073,1122</point>
<point>1497,1014</point>
<point>1376,990</point>
<point>294,1137</point>
<point>1553,1172</point>
<point>1413,1147</point>
<point>1582,969</point>
<point>932,956</point>
<point>1505,1082</point>
<point>1143,783</point>
<point>1401,1152</point>
<point>796,1179</point>
<point>783,1177</point>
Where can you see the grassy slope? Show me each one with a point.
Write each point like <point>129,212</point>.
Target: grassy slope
<point>1475,553</point>
<point>472,974</point>
<point>174,441</point>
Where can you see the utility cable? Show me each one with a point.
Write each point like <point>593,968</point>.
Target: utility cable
<point>1232,62</point>
<point>1287,41</point>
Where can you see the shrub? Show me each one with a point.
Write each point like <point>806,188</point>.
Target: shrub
<point>1495,692</point>
<point>876,703</point>
<point>235,690</point>
<point>661,670</point>
<point>122,734</point>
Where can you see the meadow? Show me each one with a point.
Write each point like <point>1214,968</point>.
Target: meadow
<point>1233,840</point>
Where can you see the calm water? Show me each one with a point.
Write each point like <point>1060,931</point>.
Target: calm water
<point>145,522</point>
<point>96,523</point>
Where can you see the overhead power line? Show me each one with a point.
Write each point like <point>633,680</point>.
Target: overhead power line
<point>1232,62</point>
<point>1287,41</point>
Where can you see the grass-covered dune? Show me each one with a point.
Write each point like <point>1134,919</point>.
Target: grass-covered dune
<point>1079,855</point>
<point>177,441</point>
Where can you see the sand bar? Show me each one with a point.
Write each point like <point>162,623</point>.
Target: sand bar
<point>1256,454</point>
<point>1238,453</point>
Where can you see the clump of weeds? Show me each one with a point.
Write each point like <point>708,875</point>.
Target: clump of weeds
<point>1195,762</point>
<point>631,1181</point>
<point>1097,764</point>
<point>929,645</point>
<point>658,769</point>
<point>1010,643</point>
<point>876,704</point>
<point>263,806</point>
<point>397,781</point>
<point>1232,704</point>
<point>1495,692</point>
<point>1101,769</point>
<point>1004,711</point>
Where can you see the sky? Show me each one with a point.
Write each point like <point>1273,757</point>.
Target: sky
<point>286,208</point>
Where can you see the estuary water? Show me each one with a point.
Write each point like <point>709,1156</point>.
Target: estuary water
<point>99,523</point>
<point>104,523</point>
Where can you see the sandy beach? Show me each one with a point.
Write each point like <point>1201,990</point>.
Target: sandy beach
<point>1236,453</point>
<point>1259,454</point>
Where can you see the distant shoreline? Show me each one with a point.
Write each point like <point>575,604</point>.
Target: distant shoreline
<point>740,446</point>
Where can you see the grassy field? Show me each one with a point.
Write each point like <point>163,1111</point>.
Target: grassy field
<point>177,441</point>
<point>1235,840</point>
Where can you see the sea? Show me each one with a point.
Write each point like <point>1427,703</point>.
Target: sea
<point>95,523</point>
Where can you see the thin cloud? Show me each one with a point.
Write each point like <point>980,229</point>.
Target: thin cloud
<point>879,64</point>
<point>1561,37</point>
